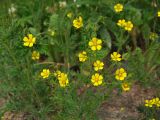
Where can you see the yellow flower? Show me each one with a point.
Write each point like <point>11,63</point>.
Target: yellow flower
<point>78,22</point>
<point>158,104</point>
<point>35,55</point>
<point>128,26</point>
<point>121,23</point>
<point>69,15</point>
<point>120,74</point>
<point>125,87</point>
<point>155,100</point>
<point>82,56</point>
<point>29,40</point>
<point>116,56</point>
<point>158,13</point>
<point>57,73</point>
<point>63,80</point>
<point>118,7</point>
<point>95,44</point>
<point>153,36</point>
<point>45,73</point>
<point>148,103</point>
<point>97,79</point>
<point>98,65</point>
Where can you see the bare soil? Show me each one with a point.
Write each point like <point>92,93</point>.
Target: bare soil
<point>124,106</point>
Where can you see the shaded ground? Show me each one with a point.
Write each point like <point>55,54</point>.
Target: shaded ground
<point>119,107</point>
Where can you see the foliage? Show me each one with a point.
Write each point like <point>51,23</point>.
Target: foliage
<point>59,44</point>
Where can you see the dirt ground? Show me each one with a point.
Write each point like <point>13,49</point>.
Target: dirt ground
<point>124,106</point>
<point>119,107</point>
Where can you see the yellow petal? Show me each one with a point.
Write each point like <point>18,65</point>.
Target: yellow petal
<point>25,39</point>
<point>31,44</point>
<point>93,48</point>
<point>26,44</point>
<point>99,47</point>
<point>90,43</point>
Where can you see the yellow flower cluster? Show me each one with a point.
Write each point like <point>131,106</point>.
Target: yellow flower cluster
<point>118,8</point>
<point>121,22</point>
<point>120,74</point>
<point>95,44</point>
<point>128,26</point>
<point>29,40</point>
<point>78,22</point>
<point>152,102</point>
<point>62,78</point>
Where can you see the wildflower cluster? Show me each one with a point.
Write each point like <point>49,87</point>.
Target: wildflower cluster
<point>62,78</point>
<point>127,25</point>
<point>95,44</point>
<point>153,102</point>
<point>120,73</point>
<point>29,41</point>
<point>55,33</point>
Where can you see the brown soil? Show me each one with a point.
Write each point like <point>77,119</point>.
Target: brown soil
<point>124,106</point>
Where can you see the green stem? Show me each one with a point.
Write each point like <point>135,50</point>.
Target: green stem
<point>31,83</point>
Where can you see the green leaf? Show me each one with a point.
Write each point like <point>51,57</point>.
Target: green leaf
<point>105,36</point>
<point>146,31</point>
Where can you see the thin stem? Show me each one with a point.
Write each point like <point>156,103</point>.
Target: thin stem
<point>31,83</point>
<point>52,63</point>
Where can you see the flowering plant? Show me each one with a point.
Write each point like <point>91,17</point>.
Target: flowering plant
<point>62,59</point>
